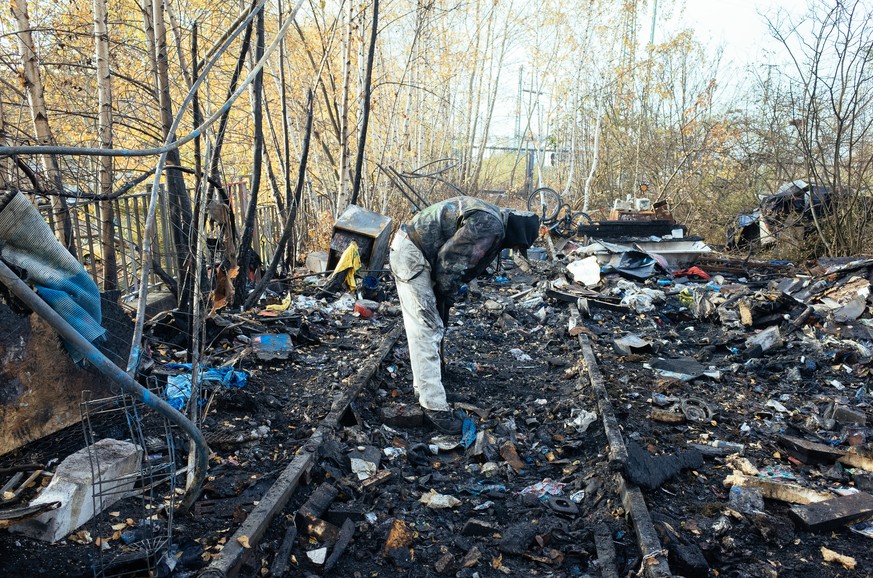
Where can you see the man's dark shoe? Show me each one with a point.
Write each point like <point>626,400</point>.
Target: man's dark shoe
<point>444,421</point>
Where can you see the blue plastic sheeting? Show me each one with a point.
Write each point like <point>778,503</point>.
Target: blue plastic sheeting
<point>746,219</point>
<point>27,242</point>
<point>179,386</point>
<point>468,436</point>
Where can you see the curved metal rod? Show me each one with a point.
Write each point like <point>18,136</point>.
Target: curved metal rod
<point>171,145</point>
<point>136,347</point>
<point>416,173</point>
<point>21,290</point>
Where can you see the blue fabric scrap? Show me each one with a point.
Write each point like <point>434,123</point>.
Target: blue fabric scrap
<point>179,386</point>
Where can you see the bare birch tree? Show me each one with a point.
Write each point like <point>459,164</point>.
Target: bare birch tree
<point>60,216</point>
<point>104,120</point>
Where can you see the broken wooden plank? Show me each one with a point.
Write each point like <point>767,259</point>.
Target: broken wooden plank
<point>342,542</point>
<point>10,516</point>
<point>836,512</point>
<point>378,478</point>
<point>617,451</point>
<point>654,556</point>
<point>283,555</point>
<point>605,551</point>
<point>574,327</point>
<point>809,452</point>
<point>231,556</point>
<point>773,490</point>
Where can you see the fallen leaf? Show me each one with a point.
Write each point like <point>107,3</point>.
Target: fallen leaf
<point>830,556</point>
<point>243,541</point>
<point>510,456</point>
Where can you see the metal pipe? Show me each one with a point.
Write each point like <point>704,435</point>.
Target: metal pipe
<point>21,290</point>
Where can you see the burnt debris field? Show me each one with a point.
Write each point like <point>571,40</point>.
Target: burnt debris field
<point>674,426</point>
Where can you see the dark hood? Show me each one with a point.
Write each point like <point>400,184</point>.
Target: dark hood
<point>521,230</point>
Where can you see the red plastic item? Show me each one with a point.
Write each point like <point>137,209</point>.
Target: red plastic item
<point>692,272</point>
<point>363,311</point>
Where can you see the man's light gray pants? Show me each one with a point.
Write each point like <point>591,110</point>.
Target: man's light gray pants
<point>424,327</point>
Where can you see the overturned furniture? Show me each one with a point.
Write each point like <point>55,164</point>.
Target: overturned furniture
<point>371,232</point>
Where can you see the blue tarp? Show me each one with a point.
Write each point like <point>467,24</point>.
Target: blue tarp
<point>27,242</point>
<point>179,386</point>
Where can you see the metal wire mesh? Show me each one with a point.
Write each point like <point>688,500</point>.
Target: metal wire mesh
<point>134,525</point>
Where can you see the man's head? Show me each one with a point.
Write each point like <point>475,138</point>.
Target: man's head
<point>521,229</point>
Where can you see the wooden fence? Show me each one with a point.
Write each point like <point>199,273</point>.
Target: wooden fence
<point>129,213</point>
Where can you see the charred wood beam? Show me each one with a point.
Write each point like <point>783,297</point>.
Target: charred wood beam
<point>232,555</point>
<point>654,556</point>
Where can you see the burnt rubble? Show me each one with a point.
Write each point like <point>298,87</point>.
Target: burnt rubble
<point>710,422</point>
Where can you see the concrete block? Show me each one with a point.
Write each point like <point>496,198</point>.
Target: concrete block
<point>114,465</point>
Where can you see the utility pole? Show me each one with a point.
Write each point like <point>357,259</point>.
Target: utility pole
<point>644,98</point>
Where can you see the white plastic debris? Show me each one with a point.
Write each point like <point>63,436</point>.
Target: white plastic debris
<point>317,556</point>
<point>773,404</point>
<point>363,468</point>
<point>585,271</point>
<point>344,303</point>
<point>443,443</point>
<point>437,501</point>
<point>640,299</point>
<point>581,419</point>
<point>392,452</point>
<point>519,355</point>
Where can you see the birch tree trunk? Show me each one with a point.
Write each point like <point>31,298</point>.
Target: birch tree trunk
<point>104,120</point>
<point>595,157</point>
<point>5,162</point>
<point>60,215</point>
<point>492,100</point>
<point>342,194</point>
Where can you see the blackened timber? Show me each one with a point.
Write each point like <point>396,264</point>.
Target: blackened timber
<point>655,563</point>
<point>617,451</point>
<point>280,563</point>
<point>836,512</point>
<point>605,551</point>
<point>342,542</point>
<point>228,562</point>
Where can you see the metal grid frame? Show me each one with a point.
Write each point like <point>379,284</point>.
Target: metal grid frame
<point>153,491</point>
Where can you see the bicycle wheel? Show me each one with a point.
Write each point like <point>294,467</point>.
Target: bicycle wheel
<point>580,219</point>
<point>545,202</point>
<point>568,226</point>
